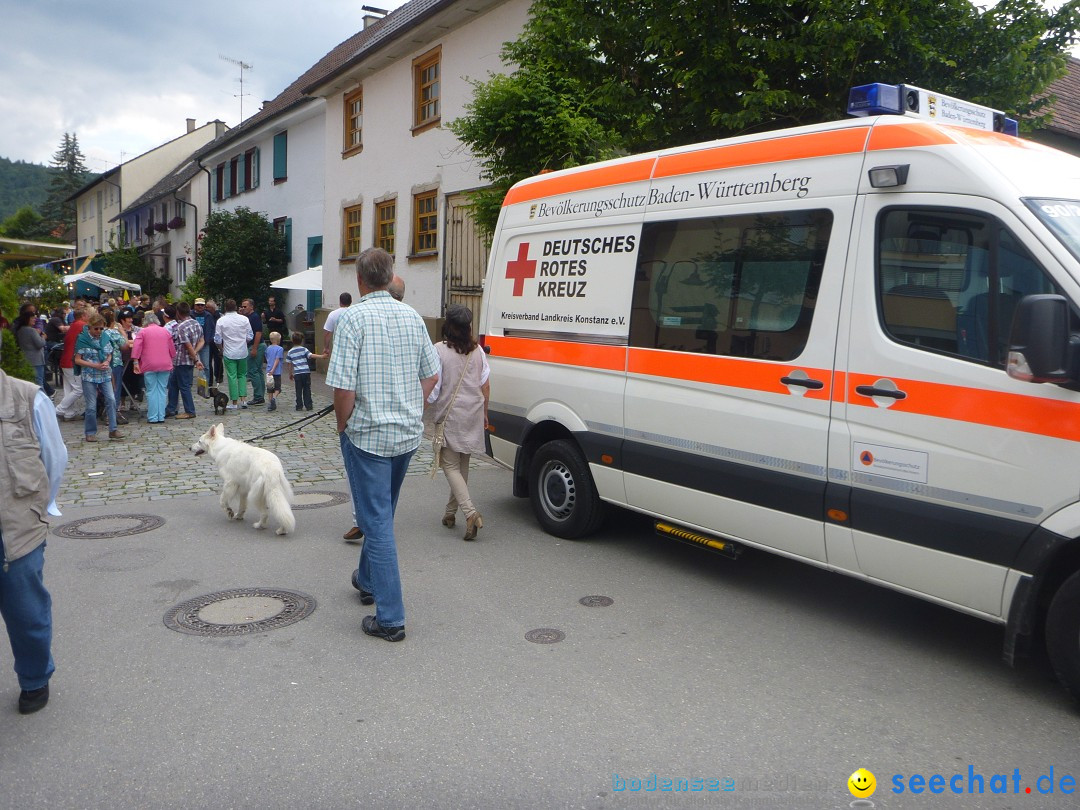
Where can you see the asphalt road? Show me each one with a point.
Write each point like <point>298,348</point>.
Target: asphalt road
<point>764,676</point>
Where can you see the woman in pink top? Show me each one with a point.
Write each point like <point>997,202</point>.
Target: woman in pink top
<point>153,353</point>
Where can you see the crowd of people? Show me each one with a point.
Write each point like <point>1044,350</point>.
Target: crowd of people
<point>384,372</point>
<point>113,354</point>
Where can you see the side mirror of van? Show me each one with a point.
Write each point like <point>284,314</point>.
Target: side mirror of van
<point>1039,345</point>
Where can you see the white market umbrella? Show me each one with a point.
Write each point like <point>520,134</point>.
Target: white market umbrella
<point>310,279</point>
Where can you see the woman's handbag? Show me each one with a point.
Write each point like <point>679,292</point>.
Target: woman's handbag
<point>437,440</point>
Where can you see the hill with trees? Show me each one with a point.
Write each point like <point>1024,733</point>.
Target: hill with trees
<point>22,183</point>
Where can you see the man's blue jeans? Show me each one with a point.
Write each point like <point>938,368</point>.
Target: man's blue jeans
<point>375,482</point>
<point>91,392</point>
<point>256,374</point>
<point>180,388</point>
<point>27,610</point>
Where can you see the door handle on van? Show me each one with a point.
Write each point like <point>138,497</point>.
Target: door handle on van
<point>805,382</point>
<point>874,391</point>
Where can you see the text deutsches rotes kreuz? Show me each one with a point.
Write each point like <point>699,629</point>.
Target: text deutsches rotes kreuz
<point>561,272</point>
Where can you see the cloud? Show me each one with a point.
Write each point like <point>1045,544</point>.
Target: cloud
<point>125,76</point>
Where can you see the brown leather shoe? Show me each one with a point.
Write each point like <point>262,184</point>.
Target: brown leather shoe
<point>91,437</point>
<point>354,534</point>
<point>185,416</point>
<point>116,435</point>
<point>472,523</point>
<point>448,520</point>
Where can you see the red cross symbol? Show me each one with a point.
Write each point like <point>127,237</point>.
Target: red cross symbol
<point>521,268</point>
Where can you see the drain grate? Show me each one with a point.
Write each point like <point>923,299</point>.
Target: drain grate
<point>596,601</point>
<point>322,499</point>
<point>239,612</point>
<point>545,635</point>
<point>110,526</point>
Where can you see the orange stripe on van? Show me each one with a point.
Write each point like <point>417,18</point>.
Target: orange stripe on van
<point>630,172</point>
<point>730,371</point>
<point>563,352</point>
<point>772,150</point>
<point>1028,414</point>
<point>839,385</point>
<point>904,136</point>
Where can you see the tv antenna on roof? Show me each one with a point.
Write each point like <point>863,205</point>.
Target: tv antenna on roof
<point>243,66</point>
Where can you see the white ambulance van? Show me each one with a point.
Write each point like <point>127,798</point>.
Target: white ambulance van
<point>853,344</point>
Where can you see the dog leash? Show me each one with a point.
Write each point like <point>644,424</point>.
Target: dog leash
<point>303,421</point>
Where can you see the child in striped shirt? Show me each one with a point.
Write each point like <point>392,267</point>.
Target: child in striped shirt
<point>298,358</point>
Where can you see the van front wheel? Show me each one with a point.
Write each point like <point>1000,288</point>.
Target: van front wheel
<point>562,491</point>
<point>1063,634</point>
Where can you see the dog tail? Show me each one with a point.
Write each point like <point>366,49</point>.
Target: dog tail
<point>278,495</point>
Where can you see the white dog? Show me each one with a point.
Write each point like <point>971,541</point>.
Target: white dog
<point>251,474</point>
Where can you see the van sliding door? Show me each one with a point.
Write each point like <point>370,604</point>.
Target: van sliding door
<point>730,364</point>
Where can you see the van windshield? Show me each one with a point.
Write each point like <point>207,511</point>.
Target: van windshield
<point>1062,217</point>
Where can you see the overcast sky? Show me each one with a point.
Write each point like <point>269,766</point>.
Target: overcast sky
<point>125,75</point>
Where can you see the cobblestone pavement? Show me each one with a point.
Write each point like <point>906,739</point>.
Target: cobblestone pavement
<point>155,461</point>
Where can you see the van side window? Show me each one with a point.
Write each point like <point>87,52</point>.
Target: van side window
<point>743,286</point>
<point>949,281</point>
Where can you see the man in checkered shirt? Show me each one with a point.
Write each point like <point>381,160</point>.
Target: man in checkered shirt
<point>187,336</point>
<point>382,369</point>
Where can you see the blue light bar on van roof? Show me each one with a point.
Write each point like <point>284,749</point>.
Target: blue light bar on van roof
<point>914,102</point>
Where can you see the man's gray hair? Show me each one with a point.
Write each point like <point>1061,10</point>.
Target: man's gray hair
<point>375,267</point>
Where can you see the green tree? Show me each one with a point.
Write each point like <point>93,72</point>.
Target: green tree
<point>67,174</point>
<point>26,223</point>
<point>239,254</point>
<point>44,287</point>
<point>125,263</point>
<point>12,360</point>
<point>635,75</point>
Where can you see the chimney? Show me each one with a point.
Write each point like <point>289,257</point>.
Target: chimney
<point>191,125</point>
<point>373,14</point>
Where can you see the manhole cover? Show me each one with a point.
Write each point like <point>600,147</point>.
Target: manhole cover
<point>545,635</point>
<point>239,612</point>
<point>317,499</point>
<point>109,526</point>
<point>597,601</point>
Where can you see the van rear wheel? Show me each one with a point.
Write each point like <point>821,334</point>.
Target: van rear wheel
<point>1063,634</point>
<point>562,491</point>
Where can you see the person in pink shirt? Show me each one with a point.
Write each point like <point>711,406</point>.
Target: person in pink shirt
<point>152,355</point>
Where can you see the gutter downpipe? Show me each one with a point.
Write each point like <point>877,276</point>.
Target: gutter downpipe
<point>195,252</point>
<point>209,196</point>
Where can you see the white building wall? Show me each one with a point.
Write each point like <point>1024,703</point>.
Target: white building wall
<point>140,174</point>
<point>183,241</point>
<point>300,197</point>
<point>393,161</point>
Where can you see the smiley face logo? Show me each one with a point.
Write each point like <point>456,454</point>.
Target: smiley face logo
<point>862,784</point>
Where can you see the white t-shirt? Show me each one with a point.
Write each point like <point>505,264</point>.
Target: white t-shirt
<point>332,319</point>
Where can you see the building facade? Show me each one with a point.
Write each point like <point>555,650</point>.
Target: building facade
<point>395,176</point>
<point>99,204</point>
